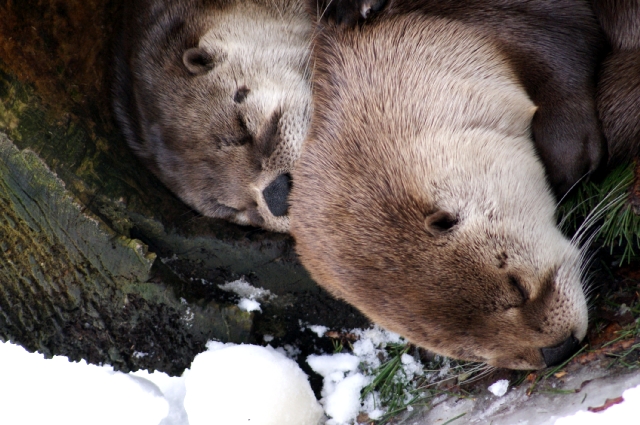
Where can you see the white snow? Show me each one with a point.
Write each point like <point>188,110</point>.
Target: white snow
<point>174,390</point>
<point>55,391</point>
<point>249,295</point>
<point>243,289</point>
<point>499,388</point>
<point>328,364</point>
<point>625,413</point>
<point>341,385</point>
<point>249,305</point>
<point>342,402</point>
<point>241,384</point>
<point>319,330</point>
<point>346,374</point>
<point>228,384</point>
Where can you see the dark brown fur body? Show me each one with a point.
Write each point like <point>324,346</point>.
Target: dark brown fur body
<point>619,86</point>
<point>554,47</point>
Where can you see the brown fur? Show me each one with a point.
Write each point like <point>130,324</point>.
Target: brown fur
<point>619,87</point>
<point>214,98</point>
<point>554,47</point>
<point>419,198</point>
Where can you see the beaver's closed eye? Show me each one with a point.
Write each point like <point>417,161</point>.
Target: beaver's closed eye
<point>440,222</point>
<point>517,284</point>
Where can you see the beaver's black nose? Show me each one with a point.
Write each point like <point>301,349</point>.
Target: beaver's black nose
<point>276,194</point>
<point>556,355</point>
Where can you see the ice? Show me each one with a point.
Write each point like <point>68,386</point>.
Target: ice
<point>499,388</point>
<point>241,384</point>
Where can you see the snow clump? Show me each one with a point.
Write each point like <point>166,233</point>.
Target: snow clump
<point>249,295</point>
<point>246,304</point>
<point>35,390</point>
<point>345,375</point>
<point>499,388</point>
<point>341,385</point>
<point>241,384</point>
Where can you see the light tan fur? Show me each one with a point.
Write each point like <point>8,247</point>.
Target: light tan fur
<point>419,198</point>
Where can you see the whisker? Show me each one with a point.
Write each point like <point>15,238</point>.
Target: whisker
<point>571,188</point>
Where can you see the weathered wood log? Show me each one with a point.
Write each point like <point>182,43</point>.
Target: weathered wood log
<point>98,260</point>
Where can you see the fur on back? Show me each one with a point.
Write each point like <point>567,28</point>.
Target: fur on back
<point>619,86</point>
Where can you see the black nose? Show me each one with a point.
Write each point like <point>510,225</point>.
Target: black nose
<point>276,194</point>
<point>556,355</point>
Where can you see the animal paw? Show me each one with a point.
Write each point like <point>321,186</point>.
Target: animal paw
<point>569,141</point>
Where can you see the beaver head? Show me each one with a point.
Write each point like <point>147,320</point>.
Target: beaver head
<point>419,197</point>
<point>216,103</point>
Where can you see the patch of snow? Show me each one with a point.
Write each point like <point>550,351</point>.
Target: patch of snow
<point>246,304</point>
<point>174,390</point>
<point>188,317</point>
<point>35,390</point>
<point>326,365</point>
<point>346,374</point>
<point>290,351</point>
<point>318,330</point>
<point>242,384</point>
<point>341,385</point>
<point>369,405</point>
<point>249,295</point>
<point>499,388</point>
<point>342,400</point>
<point>623,309</point>
<point>243,289</point>
<point>267,338</point>
<point>625,413</point>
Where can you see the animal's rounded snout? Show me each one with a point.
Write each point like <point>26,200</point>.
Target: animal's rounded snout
<point>559,353</point>
<point>277,193</point>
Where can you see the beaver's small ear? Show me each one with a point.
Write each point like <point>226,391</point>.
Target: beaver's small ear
<point>199,61</point>
<point>440,222</point>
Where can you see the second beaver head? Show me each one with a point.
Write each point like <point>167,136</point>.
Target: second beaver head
<point>214,98</point>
